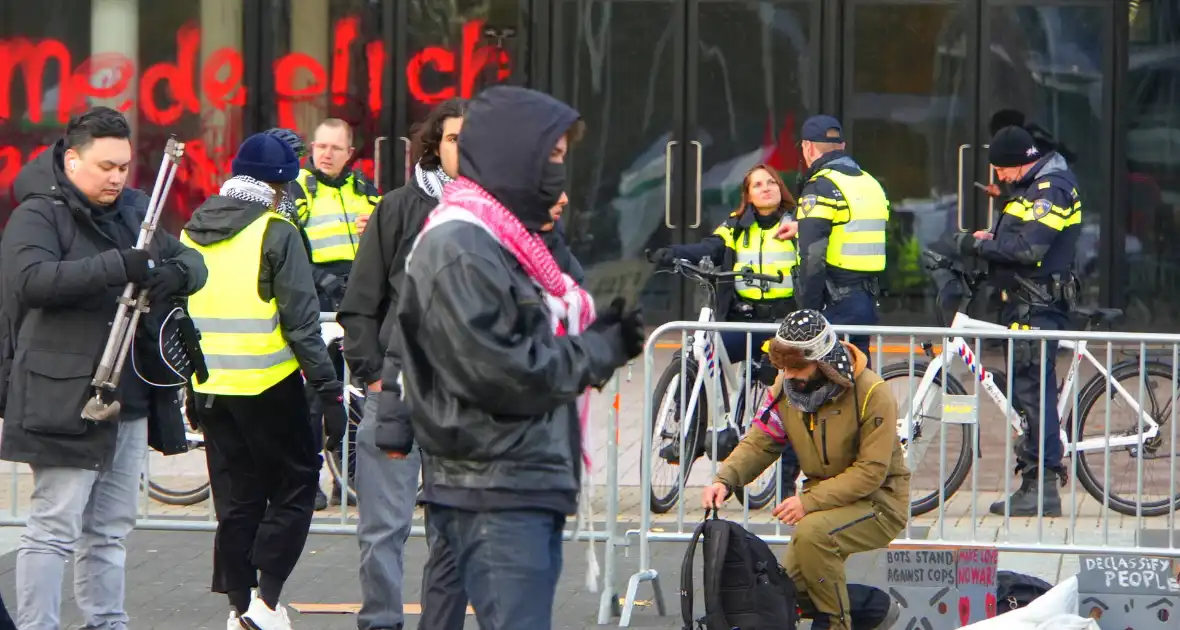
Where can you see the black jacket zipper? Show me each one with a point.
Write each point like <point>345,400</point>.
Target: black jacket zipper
<point>823,437</point>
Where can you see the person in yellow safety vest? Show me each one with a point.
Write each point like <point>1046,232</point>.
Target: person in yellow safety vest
<point>842,216</point>
<point>258,316</point>
<point>746,239</point>
<point>333,204</point>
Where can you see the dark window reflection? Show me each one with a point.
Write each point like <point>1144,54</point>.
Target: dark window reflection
<point>1152,215</point>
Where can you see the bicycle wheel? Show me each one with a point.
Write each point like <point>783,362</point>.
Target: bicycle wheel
<point>666,432</point>
<point>190,495</point>
<point>356,406</point>
<point>926,437</point>
<point>763,490</point>
<point>1157,456</point>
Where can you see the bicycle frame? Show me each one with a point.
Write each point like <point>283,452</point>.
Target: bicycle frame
<point>959,347</point>
<point>713,366</point>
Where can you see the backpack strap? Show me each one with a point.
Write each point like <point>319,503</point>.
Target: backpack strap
<point>716,549</point>
<point>686,573</point>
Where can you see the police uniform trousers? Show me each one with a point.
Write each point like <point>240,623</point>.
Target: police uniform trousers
<point>1031,379</point>
<point>264,469</point>
<point>822,542</point>
<point>858,308</point>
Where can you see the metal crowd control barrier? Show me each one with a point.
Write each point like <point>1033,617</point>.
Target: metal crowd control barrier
<point>949,356</point>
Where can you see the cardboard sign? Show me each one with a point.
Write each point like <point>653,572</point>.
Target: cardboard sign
<point>942,589</point>
<point>1128,592</point>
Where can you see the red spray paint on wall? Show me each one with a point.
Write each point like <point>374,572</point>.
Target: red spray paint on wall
<point>170,90</point>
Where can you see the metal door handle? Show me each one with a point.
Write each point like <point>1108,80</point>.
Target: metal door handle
<point>700,159</point>
<point>991,201</point>
<point>959,193</point>
<point>377,161</point>
<point>409,167</point>
<point>668,184</point>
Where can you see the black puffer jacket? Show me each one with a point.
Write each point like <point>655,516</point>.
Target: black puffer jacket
<point>489,388</point>
<point>285,275</point>
<point>62,276</point>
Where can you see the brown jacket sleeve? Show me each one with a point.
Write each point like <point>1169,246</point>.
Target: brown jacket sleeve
<point>753,455</point>
<point>868,472</point>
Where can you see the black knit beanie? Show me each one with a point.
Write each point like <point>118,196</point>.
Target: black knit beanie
<point>1013,146</point>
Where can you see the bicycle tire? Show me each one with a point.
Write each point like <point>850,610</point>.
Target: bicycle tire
<point>760,498</point>
<point>964,460</point>
<point>1094,484</point>
<point>661,504</point>
<point>168,496</point>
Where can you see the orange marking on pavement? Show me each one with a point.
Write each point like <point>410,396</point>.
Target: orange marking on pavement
<point>352,609</point>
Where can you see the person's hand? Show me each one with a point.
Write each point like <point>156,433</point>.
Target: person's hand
<point>787,230</point>
<point>983,235</point>
<point>335,419</point>
<point>612,315</point>
<point>633,332</point>
<point>136,263</point>
<point>992,190</point>
<point>662,256</point>
<point>790,511</point>
<point>395,455</point>
<point>714,495</point>
<point>374,387</point>
<point>163,282</point>
<point>361,222</point>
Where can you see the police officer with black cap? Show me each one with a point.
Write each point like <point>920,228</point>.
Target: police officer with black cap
<point>842,216</point>
<point>1031,250</point>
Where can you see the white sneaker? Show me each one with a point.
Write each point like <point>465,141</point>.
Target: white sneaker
<point>234,623</point>
<point>260,617</point>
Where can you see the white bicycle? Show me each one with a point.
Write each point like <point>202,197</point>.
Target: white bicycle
<point>718,399</point>
<point>921,418</point>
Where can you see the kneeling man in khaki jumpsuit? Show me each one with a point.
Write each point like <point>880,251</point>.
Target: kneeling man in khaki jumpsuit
<point>841,419</point>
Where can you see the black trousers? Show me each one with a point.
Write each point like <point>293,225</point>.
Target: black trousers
<point>263,467</point>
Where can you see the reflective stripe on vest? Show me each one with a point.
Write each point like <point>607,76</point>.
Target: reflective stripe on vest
<point>331,219</point>
<point>857,242</point>
<point>244,347</point>
<point>759,249</point>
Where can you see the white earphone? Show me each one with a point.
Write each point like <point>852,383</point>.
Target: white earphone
<point>73,165</point>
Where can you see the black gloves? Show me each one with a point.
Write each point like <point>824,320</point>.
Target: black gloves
<point>966,244</point>
<point>135,263</point>
<point>662,256</point>
<point>335,418</point>
<point>630,326</point>
<point>163,282</point>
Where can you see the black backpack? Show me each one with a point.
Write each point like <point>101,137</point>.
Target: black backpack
<point>745,587</point>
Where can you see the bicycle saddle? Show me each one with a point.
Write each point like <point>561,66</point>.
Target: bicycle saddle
<point>1100,315</point>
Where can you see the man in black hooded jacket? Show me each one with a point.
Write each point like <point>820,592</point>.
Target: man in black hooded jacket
<point>66,256</point>
<point>491,381</point>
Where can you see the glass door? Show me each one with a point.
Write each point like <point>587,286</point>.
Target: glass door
<point>621,64</point>
<point>911,125</point>
<point>1047,61</point>
<point>752,78</point>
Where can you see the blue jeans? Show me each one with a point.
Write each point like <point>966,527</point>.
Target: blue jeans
<point>735,345</point>
<point>509,561</point>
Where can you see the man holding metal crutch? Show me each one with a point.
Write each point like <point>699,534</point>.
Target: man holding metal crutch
<point>69,251</point>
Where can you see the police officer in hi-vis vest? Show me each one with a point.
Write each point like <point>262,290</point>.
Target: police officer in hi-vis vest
<point>333,205</point>
<point>1032,249</point>
<point>258,315</point>
<point>842,216</point>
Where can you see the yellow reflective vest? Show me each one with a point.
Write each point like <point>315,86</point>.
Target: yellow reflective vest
<point>858,221</point>
<point>328,216</point>
<point>758,248</point>
<point>244,347</point>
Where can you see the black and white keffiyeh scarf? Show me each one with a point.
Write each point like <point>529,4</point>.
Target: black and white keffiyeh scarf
<point>432,181</point>
<point>244,188</point>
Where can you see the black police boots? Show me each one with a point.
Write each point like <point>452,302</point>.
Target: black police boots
<point>1023,502</point>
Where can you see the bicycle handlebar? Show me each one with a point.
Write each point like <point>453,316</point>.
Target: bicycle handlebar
<point>746,272</point>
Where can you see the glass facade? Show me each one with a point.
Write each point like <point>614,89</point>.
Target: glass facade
<point>681,97</point>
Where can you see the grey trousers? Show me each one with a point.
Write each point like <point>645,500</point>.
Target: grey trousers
<point>86,514</point>
<point>386,491</point>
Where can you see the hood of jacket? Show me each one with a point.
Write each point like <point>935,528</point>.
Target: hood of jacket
<point>220,218</point>
<point>508,135</point>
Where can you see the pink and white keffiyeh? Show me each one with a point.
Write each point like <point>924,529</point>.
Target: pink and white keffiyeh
<point>570,308</point>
